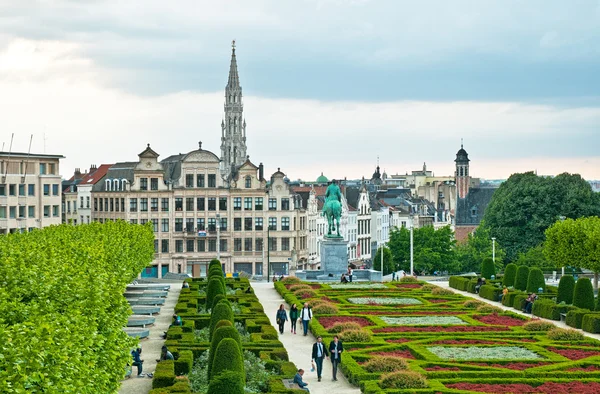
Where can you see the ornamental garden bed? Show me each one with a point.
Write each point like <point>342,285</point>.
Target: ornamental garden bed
<point>384,301</point>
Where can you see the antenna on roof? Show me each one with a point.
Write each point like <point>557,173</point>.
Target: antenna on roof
<point>461,143</point>
<point>8,159</point>
<point>27,160</point>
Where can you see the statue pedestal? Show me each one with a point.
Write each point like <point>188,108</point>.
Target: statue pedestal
<point>334,258</point>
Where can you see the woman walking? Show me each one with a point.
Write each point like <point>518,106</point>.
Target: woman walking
<point>294,314</point>
<point>281,318</point>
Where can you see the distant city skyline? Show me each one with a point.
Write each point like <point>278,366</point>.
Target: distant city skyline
<point>329,85</point>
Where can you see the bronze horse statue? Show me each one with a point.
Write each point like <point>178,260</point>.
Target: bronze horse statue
<point>332,209</point>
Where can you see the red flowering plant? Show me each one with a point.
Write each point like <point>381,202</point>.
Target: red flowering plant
<point>517,388</point>
<point>404,353</point>
<point>329,321</point>
<point>499,320</point>
<point>441,329</point>
<point>517,366</point>
<point>574,354</point>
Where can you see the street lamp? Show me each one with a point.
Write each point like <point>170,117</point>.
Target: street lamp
<point>412,224</point>
<point>494,249</point>
<point>268,253</point>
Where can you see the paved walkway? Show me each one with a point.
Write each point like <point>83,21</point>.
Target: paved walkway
<point>151,346</point>
<point>299,347</point>
<point>560,324</point>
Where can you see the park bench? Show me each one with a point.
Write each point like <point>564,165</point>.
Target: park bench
<point>289,384</point>
<point>563,317</point>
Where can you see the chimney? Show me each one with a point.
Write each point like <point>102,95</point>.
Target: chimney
<point>261,172</point>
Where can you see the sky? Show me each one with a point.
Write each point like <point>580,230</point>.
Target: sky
<point>332,86</point>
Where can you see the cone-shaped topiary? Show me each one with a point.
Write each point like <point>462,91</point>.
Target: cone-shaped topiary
<point>218,298</point>
<point>598,303</point>
<point>566,286</point>
<point>535,280</point>
<point>487,268</point>
<point>521,278</point>
<point>214,288</point>
<point>509,275</point>
<point>223,323</point>
<point>220,334</point>
<point>583,295</point>
<point>228,357</point>
<point>229,382</point>
<point>220,312</point>
<point>214,263</point>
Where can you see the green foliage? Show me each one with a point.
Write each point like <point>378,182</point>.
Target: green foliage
<point>548,309</point>
<point>290,280</point>
<point>535,280</point>
<point>562,334</point>
<point>521,278</point>
<point>408,279</point>
<point>385,364</point>
<point>525,205</point>
<point>164,375</point>
<point>591,323</point>
<point>490,292</point>
<point>487,308</point>
<point>257,374</point>
<point>325,308</point>
<point>574,317</point>
<point>220,312</point>
<point>470,254</point>
<point>583,295</point>
<point>538,325</point>
<point>472,304</point>
<point>230,382</point>
<point>566,286</point>
<point>487,268</point>
<point>388,262</point>
<point>223,323</point>
<point>216,299</point>
<point>440,291</point>
<point>534,257</point>
<point>458,282</point>
<point>433,249</point>
<point>303,294</point>
<point>403,380</point>
<point>343,326</point>
<point>228,357</point>
<point>215,263</point>
<point>214,288</point>
<point>355,336</point>
<point>62,308</point>
<point>220,334</point>
<point>510,272</point>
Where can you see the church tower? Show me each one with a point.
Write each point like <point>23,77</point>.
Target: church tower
<point>463,179</point>
<point>233,126</point>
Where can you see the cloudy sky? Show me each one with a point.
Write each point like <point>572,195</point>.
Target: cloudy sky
<point>329,85</point>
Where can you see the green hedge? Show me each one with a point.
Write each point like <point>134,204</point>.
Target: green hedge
<point>575,317</point>
<point>591,323</point>
<point>535,280</point>
<point>548,309</point>
<point>487,268</point>
<point>509,300</point>
<point>566,286</point>
<point>583,295</point>
<point>458,282</point>
<point>220,312</point>
<point>228,357</point>
<point>164,375</point>
<point>521,278</point>
<point>220,334</point>
<point>230,382</point>
<point>490,292</point>
<point>215,287</point>
<point>510,272</point>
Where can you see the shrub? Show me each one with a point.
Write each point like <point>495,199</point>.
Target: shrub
<point>290,280</point>
<point>538,325</point>
<point>490,292</point>
<point>220,334</point>
<point>216,300</point>
<point>355,336</point>
<point>561,334</point>
<point>521,277</point>
<point>408,279</point>
<point>385,364</point>
<point>220,312</point>
<point>164,375</point>
<point>487,268</point>
<point>535,280</point>
<point>403,380</point>
<point>343,326</point>
<point>214,263</point>
<point>305,293</point>
<point>575,317</point>
<point>293,288</point>
<point>215,287</point>
<point>223,323</point>
<point>486,308</point>
<point>458,282</point>
<point>184,363</point>
<point>428,287</point>
<point>472,304</point>
<point>591,323</point>
<point>583,295</point>
<point>440,291</point>
<point>510,272</point>
<point>471,284</point>
<point>566,286</point>
<point>230,382</point>
<point>325,308</point>
<point>228,357</point>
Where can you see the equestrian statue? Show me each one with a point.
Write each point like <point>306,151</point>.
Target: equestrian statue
<point>332,209</point>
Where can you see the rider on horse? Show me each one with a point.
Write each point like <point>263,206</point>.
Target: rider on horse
<point>333,207</point>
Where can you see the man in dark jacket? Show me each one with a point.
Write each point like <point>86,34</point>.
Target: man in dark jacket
<point>319,352</point>
<point>335,348</point>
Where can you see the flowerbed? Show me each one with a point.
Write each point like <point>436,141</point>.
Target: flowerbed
<point>500,320</point>
<point>438,368</point>
<point>574,354</point>
<point>442,329</point>
<point>589,368</point>
<point>409,285</point>
<point>423,320</point>
<point>404,353</point>
<point>483,353</point>
<point>464,342</point>
<point>328,321</point>
<point>437,300</point>
<point>547,387</point>
<point>411,313</point>
<point>513,366</point>
<point>383,301</point>
<point>350,286</point>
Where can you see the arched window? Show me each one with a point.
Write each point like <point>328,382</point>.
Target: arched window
<point>107,185</point>
<point>466,171</point>
<point>124,184</point>
<point>116,185</point>
<point>460,171</point>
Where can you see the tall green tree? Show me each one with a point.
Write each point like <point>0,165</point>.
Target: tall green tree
<point>478,246</point>
<point>388,262</point>
<point>535,257</point>
<point>525,205</point>
<point>433,249</point>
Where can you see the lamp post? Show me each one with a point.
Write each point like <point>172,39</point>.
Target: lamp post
<point>268,253</point>
<point>494,249</point>
<point>412,224</point>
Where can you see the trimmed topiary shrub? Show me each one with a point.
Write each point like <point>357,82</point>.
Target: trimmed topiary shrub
<point>575,317</point>
<point>566,286</point>
<point>487,268</point>
<point>220,334</point>
<point>535,280</point>
<point>472,304</point>
<point>228,357</point>
<point>220,312</point>
<point>385,364</point>
<point>164,375</point>
<point>215,263</point>
<point>218,298</point>
<point>355,336</point>
<point>538,325</point>
<point>290,280</point>
<point>490,292</point>
<point>408,279</point>
<point>438,291</point>
<point>561,334</point>
<point>583,295</point>
<point>428,287</point>
<point>215,287</point>
<point>343,326</point>
<point>486,308</point>
<point>521,278</point>
<point>293,288</point>
<point>591,323</point>
<point>230,382</point>
<point>223,323</point>
<point>305,293</point>
<point>510,272</point>
<point>325,308</point>
<point>403,380</point>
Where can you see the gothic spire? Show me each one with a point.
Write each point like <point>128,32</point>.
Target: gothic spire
<point>234,79</point>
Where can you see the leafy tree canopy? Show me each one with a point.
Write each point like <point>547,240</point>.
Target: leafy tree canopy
<point>469,255</point>
<point>388,263</point>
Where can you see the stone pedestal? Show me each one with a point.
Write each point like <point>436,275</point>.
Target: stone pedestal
<point>334,258</point>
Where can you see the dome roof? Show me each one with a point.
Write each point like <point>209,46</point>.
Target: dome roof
<point>322,179</point>
<point>462,156</point>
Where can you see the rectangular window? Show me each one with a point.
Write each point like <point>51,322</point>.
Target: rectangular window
<point>189,245</point>
<point>258,244</point>
<point>212,224</point>
<point>237,203</point>
<point>46,190</point>
<point>54,190</point>
<point>112,204</point>
<point>31,212</point>
<point>156,246</point>
<point>285,204</point>
<point>155,225</point>
<point>189,180</point>
<point>55,211</point>
<point>258,204</point>
<point>132,221</point>
<point>164,204</point>
<point>12,212</point>
<point>68,207</point>
<point>22,211</point>
<point>132,204</point>
<point>237,224</point>
<point>95,204</point>
<point>106,204</point>
<point>200,180</point>
<point>143,221</point>
<point>258,223</point>
<point>223,224</point>
<point>258,268</point>
<point>237,244</point>
<point>164,223</point>
<point>273,224</point>
<point>165,246</point>
<point>212,180</point>
<point>200,224</point>
<point>52,169</point>
<point>189,225</point>
<point>143,205</point>
<point>43,169</point>
<point>22,189</point>
<point>248,244</point>
<point>143,183</point>
<point>201,245</point>
<point>117,207</point>
<point>179,246</point>
<point>222,203</point>
<point>248,203</point>
<point>153,183</point>
<point>285,244</point>
<point>2,212</point>
<point>189,204</point>
<point>3,189</point>
<point>178,203</point>
<point>212,204</point>
<point>272,244</point>
<point>30,189</point>
<point>248,224</point>
<point>200,204</point>
<point>285,224</point>
<point>212,245</point>
<point>154,204</point>
<point>122,203</point>
<point>272,204</point>
<point>179,224</point>
<point>223,245</point>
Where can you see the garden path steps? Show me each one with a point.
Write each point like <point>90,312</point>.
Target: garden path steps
<point>151,346</point>
<point>560,324</point>
<point>299,347</point>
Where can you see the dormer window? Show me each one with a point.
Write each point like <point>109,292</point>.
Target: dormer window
<point>107,185</point>
<point>473,211</point>
<point>248,182</point>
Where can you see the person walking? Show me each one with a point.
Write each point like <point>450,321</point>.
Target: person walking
<point>350,273</point>
<point>335,349</point>
<point>319,352</point>
<point>294,313</point>
<point>281,318</point>
<point>305,315</point>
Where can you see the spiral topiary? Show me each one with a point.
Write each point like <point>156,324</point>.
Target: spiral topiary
<point>521,278</point>
<point>220,312</point>
<point>214,288</point>
<point>487,268</point>
<point>583,295</point>
<point>566,287</point>
<point>510,272</point>
<point>220,334</point>
<point>228,357</point>
<point>535,280</point>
